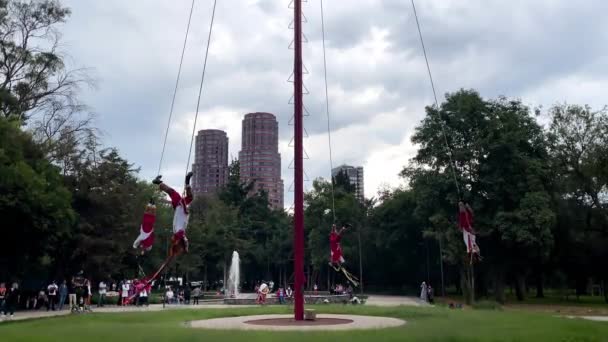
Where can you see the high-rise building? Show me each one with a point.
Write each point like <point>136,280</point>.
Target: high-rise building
<point>210,161</point>
<point>355,177</point>
<point>259,157</point>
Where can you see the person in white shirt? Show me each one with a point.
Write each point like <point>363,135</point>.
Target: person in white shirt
<point>169,296</point>
<point>52,295</point>
<point>262,293</point>
<point>102,293</point>
<point>125,292</point>
<point>143,297</point>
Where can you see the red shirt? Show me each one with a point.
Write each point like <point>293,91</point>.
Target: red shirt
<point>334,241</point>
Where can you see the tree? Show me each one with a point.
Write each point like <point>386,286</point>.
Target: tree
<point>235,192</point>
<point>578,139</point>
<point>109,201</point>
<point>498,155</point>
<point>34,204</point>
<point>37,87</point>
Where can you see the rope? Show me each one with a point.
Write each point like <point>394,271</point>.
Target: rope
<point>442,124</point>
<point>200,90</point>
<point>179,72</point>
<point>331,163</point>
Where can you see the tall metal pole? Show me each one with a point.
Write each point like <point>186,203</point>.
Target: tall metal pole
<point>298,222</point>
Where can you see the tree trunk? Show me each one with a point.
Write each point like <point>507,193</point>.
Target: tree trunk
<point>499,286</point>
<point>205,288</point>
<point>465,284</point>
<point>520,287</point>
<point>540,293</point>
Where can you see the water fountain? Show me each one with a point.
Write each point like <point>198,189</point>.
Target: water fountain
<point>234,276</point>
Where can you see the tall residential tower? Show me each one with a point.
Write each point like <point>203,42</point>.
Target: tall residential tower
<point>355,177</point>
<point>210,162</point>
<point>259,157</point>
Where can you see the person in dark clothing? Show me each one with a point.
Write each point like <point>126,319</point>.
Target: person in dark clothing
<point>10,301</point>
<point>72,295</point>
<point>187,295</point>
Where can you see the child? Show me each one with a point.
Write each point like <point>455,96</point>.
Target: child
<point>179,242</point>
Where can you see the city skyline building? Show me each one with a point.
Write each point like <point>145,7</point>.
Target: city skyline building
<point>355,177</point>
<point>210,161</point>
<point>259,158</point>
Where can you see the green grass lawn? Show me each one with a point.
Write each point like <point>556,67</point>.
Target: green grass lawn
<point>424,324</point>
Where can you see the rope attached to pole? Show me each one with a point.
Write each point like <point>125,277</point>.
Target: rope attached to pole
<point>179,72</point>
<point>442,124</point>
<point>331,163</point>
<point>200,90</point>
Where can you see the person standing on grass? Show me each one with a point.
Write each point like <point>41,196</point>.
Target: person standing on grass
<point>289,292</point>
<point>196,293</point>
<point>124,292</point>
<point>187,295</point>
<point>423,292</point>
<point>143,297</point>
<point>72,295</point>
<point>2,295</point>
<point>52,291</point>
<point>10,301</point>
<point>63,293</point>
<point>430,294</point>
<point>103,288</point>
<point>169,296</point>
<point>281,295</point>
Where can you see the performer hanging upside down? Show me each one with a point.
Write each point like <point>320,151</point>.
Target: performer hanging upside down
<point>179,242</point>
<point>145,240</point>
<point>465,222</point>
<point>336,258</point>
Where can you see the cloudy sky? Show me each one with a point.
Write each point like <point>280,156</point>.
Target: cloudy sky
<point>542,51</point>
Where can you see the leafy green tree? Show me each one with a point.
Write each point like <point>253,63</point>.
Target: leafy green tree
<point>499,158</point>
<point>34,204</point>
<point>34,77</point>
<point>578,139</point>
<point>109,202</point>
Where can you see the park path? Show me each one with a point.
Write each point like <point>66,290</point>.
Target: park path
<point>372,300</point>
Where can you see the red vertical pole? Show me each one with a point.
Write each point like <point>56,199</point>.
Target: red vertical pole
<point>298,222</point>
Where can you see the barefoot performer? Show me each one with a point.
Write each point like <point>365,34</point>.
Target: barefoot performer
<point>465,223</point>
<point>179,242</point>
<point>181,207</point>
<point>336,257</point>
<point>145,240</point>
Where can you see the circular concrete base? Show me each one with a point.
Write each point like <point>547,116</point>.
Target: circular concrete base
<point>287,323</point>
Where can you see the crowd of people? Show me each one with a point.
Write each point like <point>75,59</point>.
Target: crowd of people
<point>183,295</point>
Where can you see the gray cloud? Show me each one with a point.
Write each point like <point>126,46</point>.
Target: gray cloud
<point>541,51</point>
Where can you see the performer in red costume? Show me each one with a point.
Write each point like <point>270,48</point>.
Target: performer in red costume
<point>336,258</point>
<point>465,223</point>
<point>145,240</point>
<point>181,206</point>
